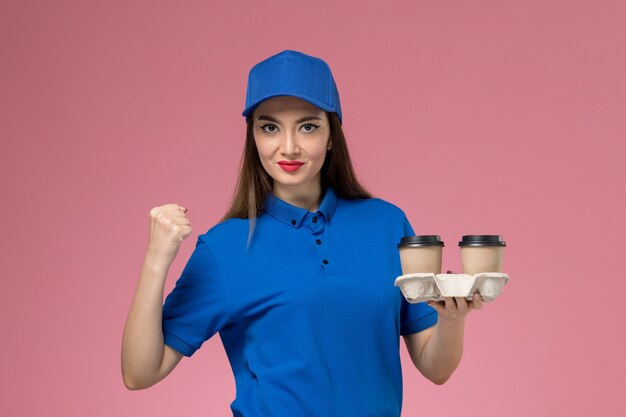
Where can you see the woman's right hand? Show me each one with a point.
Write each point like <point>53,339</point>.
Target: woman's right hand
<point>169,226</point>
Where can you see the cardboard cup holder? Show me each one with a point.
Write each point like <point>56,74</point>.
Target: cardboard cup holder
<point>420,287</point>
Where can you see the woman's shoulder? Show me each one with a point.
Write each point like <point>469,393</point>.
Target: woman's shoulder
<point>376,205</point>
<point>225,230</point>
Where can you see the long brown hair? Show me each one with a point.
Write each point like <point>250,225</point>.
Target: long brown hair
<point>254,182</point>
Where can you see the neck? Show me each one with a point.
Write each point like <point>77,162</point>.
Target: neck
<point>306,196</point>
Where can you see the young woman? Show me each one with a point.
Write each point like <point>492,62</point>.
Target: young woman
<point>298,276</point>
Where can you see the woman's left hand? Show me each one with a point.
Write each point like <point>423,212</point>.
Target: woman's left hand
<point>453,309</point>
<point>456,308</point>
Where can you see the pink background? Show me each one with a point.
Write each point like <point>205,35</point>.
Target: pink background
<point>501,117</point>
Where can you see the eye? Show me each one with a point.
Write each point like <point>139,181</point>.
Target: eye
<point>310,124</point>
<point>269,124</point>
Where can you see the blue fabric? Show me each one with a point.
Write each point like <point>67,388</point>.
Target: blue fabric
<point>303,337</point>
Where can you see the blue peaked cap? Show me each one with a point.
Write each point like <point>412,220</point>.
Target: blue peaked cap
<point>292,73</point>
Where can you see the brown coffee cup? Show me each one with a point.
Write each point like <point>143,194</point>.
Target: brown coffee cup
<point>421,253</point>
<point>481,253</point>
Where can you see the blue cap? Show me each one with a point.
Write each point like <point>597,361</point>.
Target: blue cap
<point>292,73</point>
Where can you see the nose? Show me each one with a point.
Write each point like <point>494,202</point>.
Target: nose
<point>290,144</point>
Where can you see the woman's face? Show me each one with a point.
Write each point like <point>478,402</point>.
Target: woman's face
<point>287,128</point>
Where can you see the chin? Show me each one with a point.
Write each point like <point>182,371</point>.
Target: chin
<point>289,179</point>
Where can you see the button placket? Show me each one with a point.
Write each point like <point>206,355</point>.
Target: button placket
<point>318,226</point>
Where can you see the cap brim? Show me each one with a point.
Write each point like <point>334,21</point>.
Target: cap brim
<point>247,112</point>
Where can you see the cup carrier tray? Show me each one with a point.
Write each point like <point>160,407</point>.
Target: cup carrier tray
<point>422,286</point>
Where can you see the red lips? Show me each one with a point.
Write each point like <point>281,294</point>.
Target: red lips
<point>283,162</point>
<point>290,166</point>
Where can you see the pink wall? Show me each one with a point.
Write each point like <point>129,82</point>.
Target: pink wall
<point>502,117</point>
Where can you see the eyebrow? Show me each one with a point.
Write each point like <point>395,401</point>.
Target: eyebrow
<point>302,119</point>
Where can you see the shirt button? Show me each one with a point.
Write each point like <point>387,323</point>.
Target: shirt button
<point>325,261</point>
<point>293,222</point>
<point>314,219</point>
<point>319,242</point>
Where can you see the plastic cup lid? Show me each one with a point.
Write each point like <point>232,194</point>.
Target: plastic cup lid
<point>420,240</point>
<point>482,240</point>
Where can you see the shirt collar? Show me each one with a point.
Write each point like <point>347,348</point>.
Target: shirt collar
<point>292,215</point>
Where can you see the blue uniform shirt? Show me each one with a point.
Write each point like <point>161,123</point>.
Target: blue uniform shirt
<point>309,317</point>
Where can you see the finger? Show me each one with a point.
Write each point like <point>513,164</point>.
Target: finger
<point>477,301</point>
<point>174,210</point>
<point>177,217</point>
<point>461,304</point>
<point>180,220</point>
<point>437,305</point>
<point>450,305</point>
